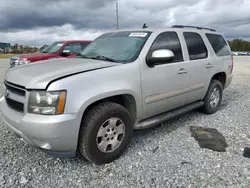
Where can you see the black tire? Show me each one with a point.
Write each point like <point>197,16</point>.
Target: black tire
<point>90,125</point>
<point>207,107</point>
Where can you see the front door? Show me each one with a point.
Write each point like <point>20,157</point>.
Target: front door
<point>165,86</point>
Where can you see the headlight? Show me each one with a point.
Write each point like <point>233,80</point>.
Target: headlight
<point>45,102</point>
<point>23,61</point>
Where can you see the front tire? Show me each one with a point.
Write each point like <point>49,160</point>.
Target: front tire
<point>105,132</point>
<point>213,97</point>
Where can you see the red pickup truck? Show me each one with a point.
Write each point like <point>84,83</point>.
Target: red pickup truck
<point>56,50</point>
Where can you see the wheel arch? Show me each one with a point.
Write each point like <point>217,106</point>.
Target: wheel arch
<point>126,100</point>
<point>220,76</point>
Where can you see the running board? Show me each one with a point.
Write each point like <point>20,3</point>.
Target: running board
<point>150,122</point>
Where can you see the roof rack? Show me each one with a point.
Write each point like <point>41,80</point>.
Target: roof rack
<point>195,27</point>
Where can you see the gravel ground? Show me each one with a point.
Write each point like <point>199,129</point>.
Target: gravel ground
<point>165,156</point>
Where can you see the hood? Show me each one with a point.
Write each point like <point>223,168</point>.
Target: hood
<point>39,75</point>
<point>36,56</point>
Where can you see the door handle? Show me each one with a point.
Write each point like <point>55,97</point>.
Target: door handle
<point>209,65</point>
<point>182,71</point>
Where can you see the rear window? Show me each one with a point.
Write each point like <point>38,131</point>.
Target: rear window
<point>219,44</point>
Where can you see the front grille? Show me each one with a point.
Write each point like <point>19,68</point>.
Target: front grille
<point>10,99</point>
<point>14,104</point>
<point>19,90</point>
<point>13,62</point>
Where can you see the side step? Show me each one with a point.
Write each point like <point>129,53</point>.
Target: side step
<point>150,122</point>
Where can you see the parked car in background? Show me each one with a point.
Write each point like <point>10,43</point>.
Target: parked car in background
<point>235,53</point>
<point>123,80</point>
<point>244,53</point>
<point>58,49</point>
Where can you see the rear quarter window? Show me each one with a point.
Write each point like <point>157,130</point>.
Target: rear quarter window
<point>219,44</point>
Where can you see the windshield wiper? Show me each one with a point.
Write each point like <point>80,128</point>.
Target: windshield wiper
<point>101,57</point>
<point>98,57</point>
<point>83,56</point>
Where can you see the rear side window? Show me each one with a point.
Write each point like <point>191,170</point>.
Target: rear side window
<point>73,48</point>
<point>219,44</point>
<point>83,45</point>
<point>170,41</point>
<point>196,46</point>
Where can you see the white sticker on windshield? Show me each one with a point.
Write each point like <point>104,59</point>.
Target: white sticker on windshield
<point>138,35</point>
<point>59,44</point>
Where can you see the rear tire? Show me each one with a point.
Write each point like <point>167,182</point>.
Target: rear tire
<point>105,132</point>
<point>213,97</point>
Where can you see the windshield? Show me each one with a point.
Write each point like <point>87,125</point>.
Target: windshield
<point>53,48</point>
<point>119,46</point>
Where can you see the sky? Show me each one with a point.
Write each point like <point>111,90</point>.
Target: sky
<point>38,22</point>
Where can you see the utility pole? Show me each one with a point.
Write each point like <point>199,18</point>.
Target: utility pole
<point>117,16</point>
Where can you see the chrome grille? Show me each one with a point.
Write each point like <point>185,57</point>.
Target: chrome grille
<point>14,89</point>
<point>13,62</point>
<point>15,96</point>
<point>14,105</point>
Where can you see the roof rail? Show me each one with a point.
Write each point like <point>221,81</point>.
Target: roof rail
<point>200,28</point>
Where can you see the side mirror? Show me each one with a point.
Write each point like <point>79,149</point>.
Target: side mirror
<point>65,53</point>
<point>160,57</point>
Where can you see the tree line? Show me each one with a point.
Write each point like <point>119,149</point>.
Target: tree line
<point>235,45</point>
<point>21,49</point>
<point>239,45</point>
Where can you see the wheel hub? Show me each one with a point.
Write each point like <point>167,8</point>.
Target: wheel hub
<point>215,97</point>
<point>110,135</point>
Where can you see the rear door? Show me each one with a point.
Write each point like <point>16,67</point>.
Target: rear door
<point>200,65</point>
<point>222,53</point>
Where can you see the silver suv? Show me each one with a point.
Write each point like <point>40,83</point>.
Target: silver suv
<point>124,80</point>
